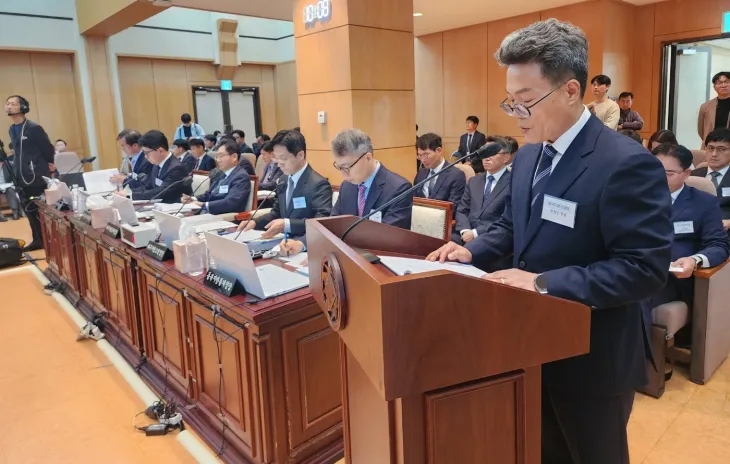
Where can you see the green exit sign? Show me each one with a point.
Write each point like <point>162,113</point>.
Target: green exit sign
<point>726,22</point>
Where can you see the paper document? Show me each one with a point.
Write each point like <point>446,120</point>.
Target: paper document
<point>217,225</point>
<point>250,236</point>
<point>403,266</point>
<point>675,269</point>
<point>294,260</point>
<point>5,186</point>
<point>174,207</point>
<point>263,194</point>
<point>98,181</point>
<point>142,202</point>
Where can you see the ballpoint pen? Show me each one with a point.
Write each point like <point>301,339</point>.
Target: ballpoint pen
<point>286,237</point>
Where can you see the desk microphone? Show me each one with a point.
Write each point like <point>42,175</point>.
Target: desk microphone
<point>75,169</point>
<point>254,213</point>
<point>186,181</point>
<point>486,151</point>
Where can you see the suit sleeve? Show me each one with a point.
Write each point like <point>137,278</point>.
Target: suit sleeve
<point>321,207</point>
<point>463,209</point>
<point>497,243</point>
<point>44,144</point>
<point>275,213</point>
<point>714,243</point>
<point>246,165</point>
<point>177,173</point>
<point>457,187</point>
<point>337,208</point>
<point>634,216</point>
<point>235,201</point>
<point>399,213</point>
<point>701,123</point>
<point>612,117</point>
<point>462,146</point>
<point>189,163</point>
<point>634,125</point>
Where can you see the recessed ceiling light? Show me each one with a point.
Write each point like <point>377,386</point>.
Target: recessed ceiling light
<point>417,14</point>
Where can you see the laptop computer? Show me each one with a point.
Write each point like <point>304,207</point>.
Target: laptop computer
<point>267,281</point>
<point>170,225</point>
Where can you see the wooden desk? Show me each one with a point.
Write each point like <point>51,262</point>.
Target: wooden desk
<point>280,399</point>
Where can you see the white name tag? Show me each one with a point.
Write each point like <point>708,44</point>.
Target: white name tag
<point>377,217</point>
<point>726,191</point>
<point>684,227</point>
<point>559,211</point>
<point>158,182</point>
<point>300,202</point>
<point>134,175</point>
<point>223,189</point>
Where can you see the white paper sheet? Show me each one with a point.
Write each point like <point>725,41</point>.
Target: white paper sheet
<point>675,269</point>
<point>262,194</point>
<point>403,266</point>
<point>98,181</point>
<point>250,236</point>
<point>174,207</point>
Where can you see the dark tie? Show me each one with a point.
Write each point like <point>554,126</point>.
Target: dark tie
<point>267,169</point>
<point>431,183</point>
<point>715,175</point>
<point>488,188</point>
<point>361,198</point>
<point>544,168</point>
<point>289,191</point>
<point>468,143</point>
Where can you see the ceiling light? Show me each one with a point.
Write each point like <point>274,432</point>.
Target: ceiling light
<point>417,14</point>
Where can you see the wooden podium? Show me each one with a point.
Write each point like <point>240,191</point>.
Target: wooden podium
<point>437,368</point>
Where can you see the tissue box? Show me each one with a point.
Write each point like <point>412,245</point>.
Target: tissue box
<point>53,196</point>
<point>188,254</point>
<point>100,217</point>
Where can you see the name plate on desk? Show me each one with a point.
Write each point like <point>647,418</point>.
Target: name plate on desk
<point>158,251</point>
<point>111,230</point>
<point>221,282</point>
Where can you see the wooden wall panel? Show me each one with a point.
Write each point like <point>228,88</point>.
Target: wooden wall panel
<point>689,15</point>
<point>465,77</point>
<point>429,57</point>
<point>331,46</point>
<point>644,73</point>
<point>618,45</point>
<point>48,81</point>
<point>139,98</point>
<point>287,102</point>
<point>376,50</point>
<point>267,96</point>
<point>102,98</point>
<point>497,121</point>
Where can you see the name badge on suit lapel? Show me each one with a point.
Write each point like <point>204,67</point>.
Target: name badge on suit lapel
<point>559,211</point>
<point>726,191</point>
<point>299,202</point>
<point>158,182</point>
<point>377,217</point>
<point>684,227</point>
<point>223,190</point>
<point>134,175</point>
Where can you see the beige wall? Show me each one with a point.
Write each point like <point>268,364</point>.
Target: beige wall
<point>287,101</point>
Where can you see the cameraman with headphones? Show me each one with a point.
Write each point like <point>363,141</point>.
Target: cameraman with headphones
<point>33,152</point>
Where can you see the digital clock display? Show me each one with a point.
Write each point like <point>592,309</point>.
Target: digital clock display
<point>319,11</point>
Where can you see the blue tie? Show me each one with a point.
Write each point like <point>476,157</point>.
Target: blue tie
<point>544,168</point>
<point>488,189</point>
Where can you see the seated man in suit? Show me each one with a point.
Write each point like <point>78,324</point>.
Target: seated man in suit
<point>368,185</point>
<point>166,179</point>
<point>300,194</point>
<point>448,186</point>
<point>181,150</point>
<point>272,171</point>
<point>203,161</point>
<point>699,238</point>
<point>472,140</point>
<point>485,197</point>
<point>717,146</point>
<point>129,142</point>
<point>210,141</point>
<point>230,192</point>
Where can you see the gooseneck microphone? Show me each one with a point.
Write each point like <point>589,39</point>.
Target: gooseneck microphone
<point>255,211</point>
<point>486,151</point>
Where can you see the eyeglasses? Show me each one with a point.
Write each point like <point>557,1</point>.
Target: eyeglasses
<point>424,155</point>
<point>346,169</point>
<point>673,173</point>
<point>147,152</point>
<point>221,155</point>
<point>522,111</point>
<point>720,150</point>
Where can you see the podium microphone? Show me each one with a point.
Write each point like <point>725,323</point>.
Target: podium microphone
<point>76,170</point>
<point>486,151</point>
<point>186,181</point>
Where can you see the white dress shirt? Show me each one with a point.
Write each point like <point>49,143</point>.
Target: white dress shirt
<point>722,172</point>
<point>497,175</point>
<point>296,176</point>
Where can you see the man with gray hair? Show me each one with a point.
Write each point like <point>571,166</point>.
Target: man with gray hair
<point>367,185</point>
<point>587,220</point>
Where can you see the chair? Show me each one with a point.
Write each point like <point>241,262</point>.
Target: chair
<point>702,165</point>
<point>700,183</point>
<point>466,169</point>
<point>667,319</point>
<point>198,183</point>
<point>698,157</point>
<point>200,172</point>
<point>251,159</point>
<point>432,218</point>
<point>260,166</point>
<point>251,203</point>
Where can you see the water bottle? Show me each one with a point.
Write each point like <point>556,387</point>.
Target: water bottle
<point>75,198</point>
<point>81,201</point>
<point>197,256</point>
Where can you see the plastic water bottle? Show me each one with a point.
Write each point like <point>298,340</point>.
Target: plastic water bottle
<point>75,198</point>
<point>81,201</point>
<point>196,255</point>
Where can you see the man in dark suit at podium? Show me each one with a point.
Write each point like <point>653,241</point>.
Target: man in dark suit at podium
<point>588,220</point>
<point>485,197</point>
<point>472,140</point>
<point>448,186</point>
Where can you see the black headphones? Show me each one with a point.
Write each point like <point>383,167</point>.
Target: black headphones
<point>24,105</point>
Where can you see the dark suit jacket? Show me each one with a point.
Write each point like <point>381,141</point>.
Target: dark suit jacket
<point>385,186</point>
<point>142,167</point>
<point>207,163</point>
<point>724,183</point>
<point>616,255</point>
<point>270,176</point>
<point>173,171</point>
<point>32,155</point>
<point>189,161</point>
<point>708,238</point>
<point>473,212</point>
<point>234,201</point>
<point>476,141</point>
<point>246,165</point>
<point>449,185</point>
<point>317,194</point>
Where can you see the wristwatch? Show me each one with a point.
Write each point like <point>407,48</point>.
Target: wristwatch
<point>698,262</point>
<point>540,285</point>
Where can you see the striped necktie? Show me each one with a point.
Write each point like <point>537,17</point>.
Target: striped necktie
<point>361,199</point>
<point>544,168</point>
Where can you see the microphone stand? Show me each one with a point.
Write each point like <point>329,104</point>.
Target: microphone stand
<point>484,152</point>
<point>254,213</point>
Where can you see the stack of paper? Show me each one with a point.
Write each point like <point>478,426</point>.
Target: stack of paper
<point>404,266</point>
<point>174,207</point>
<point>99,181</point>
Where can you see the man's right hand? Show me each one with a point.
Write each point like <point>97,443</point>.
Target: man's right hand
<point>726,224</point>
<point>118,179</point>
<point>246,225</point>
<point>451,252</point>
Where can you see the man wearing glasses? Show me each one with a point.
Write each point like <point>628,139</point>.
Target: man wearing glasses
<point>300,194</point>
<point>228,193</point>
<point>166,171</point>
<point>715,113</point>
<point>588,220</point>
<point>717,146</point>
<point>367,185</point>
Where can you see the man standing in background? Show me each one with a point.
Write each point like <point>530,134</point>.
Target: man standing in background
<point>33,153</point>
<point>469,142</point>
<point>715,113</point>
<point>628,118</point>
<point>605,109</point>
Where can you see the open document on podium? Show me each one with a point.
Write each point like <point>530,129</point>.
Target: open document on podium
<point>403,266</point>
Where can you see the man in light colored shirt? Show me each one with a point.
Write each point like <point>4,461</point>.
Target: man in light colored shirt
<point>717,146</point>
<point>603,107</point>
